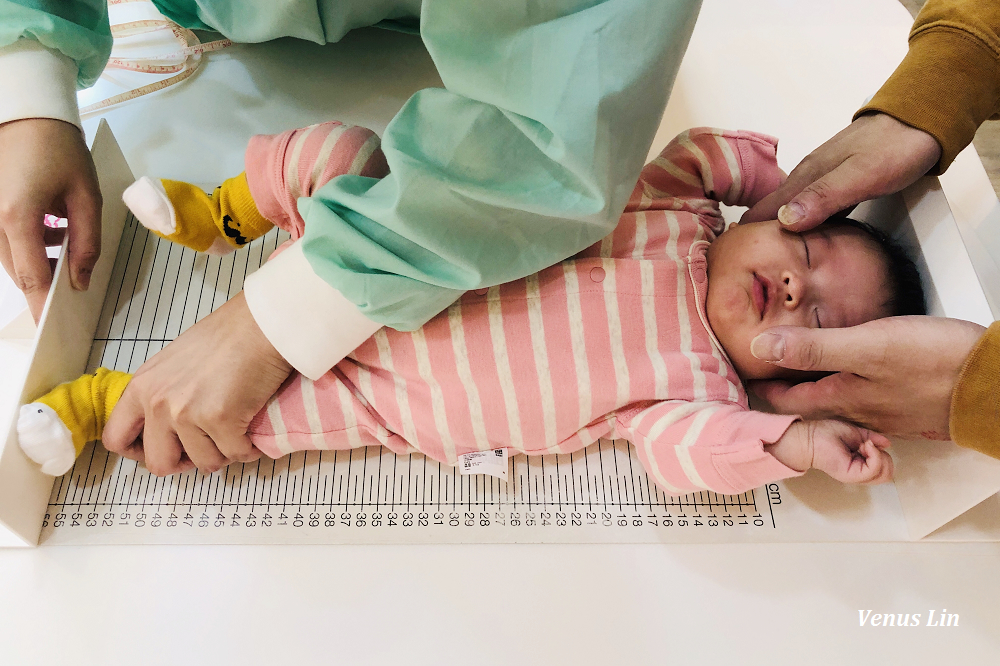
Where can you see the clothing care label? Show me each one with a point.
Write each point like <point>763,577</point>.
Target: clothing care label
<point>492,463</point>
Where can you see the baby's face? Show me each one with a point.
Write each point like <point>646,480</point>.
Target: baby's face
<point>761,276</point>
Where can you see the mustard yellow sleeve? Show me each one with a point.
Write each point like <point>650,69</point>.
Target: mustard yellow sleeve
<point>949,81</point>
<point>975,403</point>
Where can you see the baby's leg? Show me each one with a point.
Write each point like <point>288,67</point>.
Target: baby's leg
<point>303,415</point>
<point>280,168</point>
<point>53,430</point>
<point>328,414</point>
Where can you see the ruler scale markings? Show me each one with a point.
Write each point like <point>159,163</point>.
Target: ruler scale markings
<point>600,459</point>
<point>187,290</point>
<point>340,490</point>
<point>284,496</point>
<point>81,479</point>
<point>558,481</point>
<point>117,277</point>
<point>409,469</point>
<point>364,478</point>
<point>62,482</point>
<point>134,322</point>
<point>159,293</point>
<point>145,292</point>
<point>119,483</point>
<point>124,278</point>
<point>528,482</point>
<point>319,475</point>
<point>378,482</point>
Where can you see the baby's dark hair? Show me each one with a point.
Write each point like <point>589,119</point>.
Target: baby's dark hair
<point>905,286</point>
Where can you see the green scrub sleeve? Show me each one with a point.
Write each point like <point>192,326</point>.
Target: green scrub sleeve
<point>527,156</point>
<point>78,29</point>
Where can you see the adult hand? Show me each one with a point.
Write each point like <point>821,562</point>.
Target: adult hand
<point>45,167</point>
<point>893,375</point>
<point>873,156</point>
<point>193,401</point>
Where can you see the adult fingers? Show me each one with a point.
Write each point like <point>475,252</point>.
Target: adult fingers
<point>5,257</point>
<point>857,349</point>
<point>31,271</point>
<point>53,236</point>
<point>844,186</point>
<point>84,229</point>
<point>823,399</point>
<point>122,431</point>
<point>164,452</point>
<point>800,178</point>
<point>254,456</point>
<point>201,450</point>
<point>235,446</point>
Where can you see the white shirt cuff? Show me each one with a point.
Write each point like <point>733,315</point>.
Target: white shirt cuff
<point>37,83</point>
<point>309,322</point>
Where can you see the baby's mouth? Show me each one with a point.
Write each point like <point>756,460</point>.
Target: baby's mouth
<point>760,296</point>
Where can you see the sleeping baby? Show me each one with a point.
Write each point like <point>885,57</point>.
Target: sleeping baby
<point>643,336</point>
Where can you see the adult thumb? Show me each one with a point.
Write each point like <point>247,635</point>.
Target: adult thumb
<point>815,349</point>
<point>838,190</point>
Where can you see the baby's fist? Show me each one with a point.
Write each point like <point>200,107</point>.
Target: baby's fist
<point>846,452</point>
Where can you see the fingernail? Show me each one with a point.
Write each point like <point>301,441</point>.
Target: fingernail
<point>791,213</point>
<point>82,281</point>
<point>768,347</point>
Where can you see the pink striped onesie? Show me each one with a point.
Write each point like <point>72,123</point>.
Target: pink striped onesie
<point>613,342</point>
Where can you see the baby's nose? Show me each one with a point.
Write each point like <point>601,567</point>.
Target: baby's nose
<point>792,290</point>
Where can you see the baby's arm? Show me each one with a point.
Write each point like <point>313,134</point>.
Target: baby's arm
<point>703,166</point>
<point>691,446</point>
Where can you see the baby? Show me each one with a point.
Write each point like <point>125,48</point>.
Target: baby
<point>643,336</point>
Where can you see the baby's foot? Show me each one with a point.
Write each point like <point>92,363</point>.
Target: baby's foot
<point>148,201</point>
<point>45,439</point>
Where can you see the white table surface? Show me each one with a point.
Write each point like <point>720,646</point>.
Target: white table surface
<point>812,64</point>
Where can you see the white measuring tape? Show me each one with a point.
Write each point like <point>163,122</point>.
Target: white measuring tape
<point>182,62</point>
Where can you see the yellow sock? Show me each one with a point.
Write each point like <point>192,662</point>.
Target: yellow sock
<point>84,404</point>
<point>228,213</point>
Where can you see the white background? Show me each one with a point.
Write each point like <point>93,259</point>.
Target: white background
<point>793,68</point>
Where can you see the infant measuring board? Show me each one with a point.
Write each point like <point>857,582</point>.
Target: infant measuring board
<point>155,290</point>
<point>158,289</point>
<point>372,495</point>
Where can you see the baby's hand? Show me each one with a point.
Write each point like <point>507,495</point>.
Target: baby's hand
<point>846,452</point>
